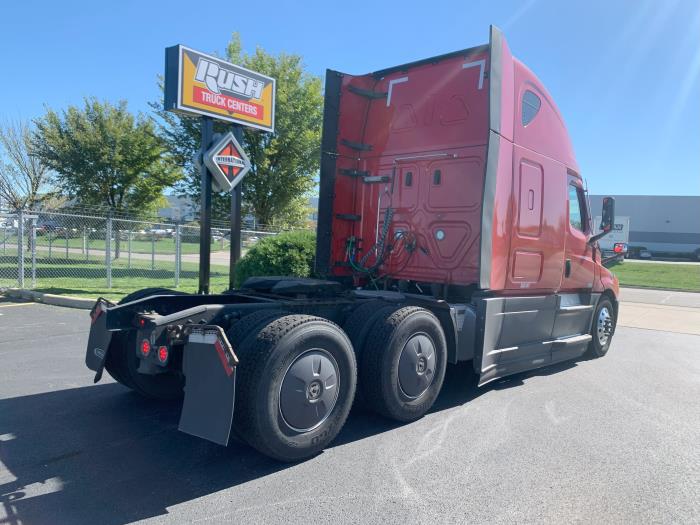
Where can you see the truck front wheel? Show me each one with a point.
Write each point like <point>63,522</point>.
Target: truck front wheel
<point>295,385</point>
<point>403,364</point>
<point>603,328</point>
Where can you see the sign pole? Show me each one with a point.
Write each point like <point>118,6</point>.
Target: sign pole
<point>235,235</point>
<point>206,86</point>
<point>205,209</point>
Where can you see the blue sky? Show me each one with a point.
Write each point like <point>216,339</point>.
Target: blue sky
<point>625,73</point>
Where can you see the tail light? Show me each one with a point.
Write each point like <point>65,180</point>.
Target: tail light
<point>619,247</point>
<point>163,354</point>
<point>145,348</point>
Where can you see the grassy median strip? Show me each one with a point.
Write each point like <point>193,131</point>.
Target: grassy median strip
<point>657,275</point>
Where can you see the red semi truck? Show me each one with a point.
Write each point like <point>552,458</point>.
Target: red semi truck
<point>453,226</point>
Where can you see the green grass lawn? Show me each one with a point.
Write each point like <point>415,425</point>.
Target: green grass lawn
<point>162,245</point>
<point>139,244</point>
<point>651,275</point>
<point>89,279</point>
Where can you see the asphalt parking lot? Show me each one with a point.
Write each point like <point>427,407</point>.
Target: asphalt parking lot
<point>614,440</point>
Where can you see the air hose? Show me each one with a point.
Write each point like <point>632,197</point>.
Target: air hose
<point>379,248</point>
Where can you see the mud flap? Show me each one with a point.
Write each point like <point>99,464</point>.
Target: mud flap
<point>209,366</point>
<point>100,337</point>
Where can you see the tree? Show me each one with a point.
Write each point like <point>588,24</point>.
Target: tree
<point>296,214</point>
<point>285,162</point>
<point>105,156</point>
<point>24,178</point>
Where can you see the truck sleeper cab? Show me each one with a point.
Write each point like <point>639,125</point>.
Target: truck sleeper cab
<point>453,226</point>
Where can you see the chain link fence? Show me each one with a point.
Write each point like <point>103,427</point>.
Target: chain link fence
<point>93,254</point>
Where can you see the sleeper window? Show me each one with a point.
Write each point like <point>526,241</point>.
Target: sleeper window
<point>530,108</point>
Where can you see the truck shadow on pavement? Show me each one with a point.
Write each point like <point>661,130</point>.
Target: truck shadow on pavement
<point>102,454</point>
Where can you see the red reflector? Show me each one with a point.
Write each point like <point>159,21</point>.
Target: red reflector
<point>96,312</point>
<point>222,356</point>
<point>145,347</point>
<point>163,354</point>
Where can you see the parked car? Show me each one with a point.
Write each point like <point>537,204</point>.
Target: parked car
<point>49,226</point>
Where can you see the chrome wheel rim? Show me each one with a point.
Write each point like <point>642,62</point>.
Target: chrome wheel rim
<point>309,390</point>
<point>604,326</point>
<point>417,366</point>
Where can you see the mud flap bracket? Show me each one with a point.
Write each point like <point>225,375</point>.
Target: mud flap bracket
<point>209,366</point>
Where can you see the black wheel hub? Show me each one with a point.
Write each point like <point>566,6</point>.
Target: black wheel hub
<point>417,365</point>
<point>314,390</point>
<point>309,390</point>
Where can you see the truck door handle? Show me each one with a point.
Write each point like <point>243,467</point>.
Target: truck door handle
<point>567,268</point>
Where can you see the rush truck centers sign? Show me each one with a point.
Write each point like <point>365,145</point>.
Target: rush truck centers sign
<point>200,84</point>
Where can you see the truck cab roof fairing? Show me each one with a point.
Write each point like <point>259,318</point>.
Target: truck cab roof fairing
<point>453,118</point>
<point>546,134</point>
<point>424,126</point>
<point>500,125</point>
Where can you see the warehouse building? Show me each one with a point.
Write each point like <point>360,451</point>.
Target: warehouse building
<point>664,225</point>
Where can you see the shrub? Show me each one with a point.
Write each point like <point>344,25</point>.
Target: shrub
<point>288,253</point>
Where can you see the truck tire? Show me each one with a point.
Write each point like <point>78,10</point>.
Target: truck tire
<point>359,322</point>
<point>295,384</point>
<point>244,328</point>
<point>249,325</point>
<point>122,361</point>
<point>403,364</point>
<point>602,328</point>
<point>357,326</point>
<point>147,292</point>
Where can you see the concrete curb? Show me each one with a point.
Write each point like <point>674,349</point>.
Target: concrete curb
<point>48,298</point>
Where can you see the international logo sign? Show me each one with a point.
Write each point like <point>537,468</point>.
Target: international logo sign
<point>200,84</point>
<point>227,162</point>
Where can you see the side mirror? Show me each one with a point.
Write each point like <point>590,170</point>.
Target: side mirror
<point>607,221</point>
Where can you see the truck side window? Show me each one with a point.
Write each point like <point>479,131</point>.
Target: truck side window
<point>577,208</point>
<point>531,106</point>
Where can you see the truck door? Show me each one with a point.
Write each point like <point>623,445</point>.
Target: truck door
<point>578,263</point>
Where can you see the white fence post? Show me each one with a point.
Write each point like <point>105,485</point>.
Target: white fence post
<point>108,250</point>
<point>20,249</point>
<point>178,248</point>
<point>32,240</point>
<point>86,246</point>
